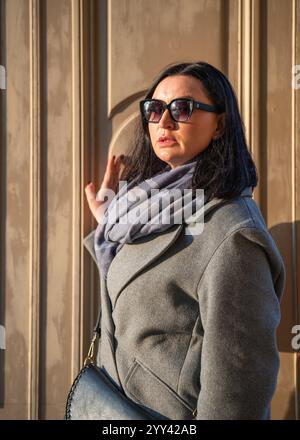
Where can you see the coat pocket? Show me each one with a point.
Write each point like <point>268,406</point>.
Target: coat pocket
<point>146,388</point>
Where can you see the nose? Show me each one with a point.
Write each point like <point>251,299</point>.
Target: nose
<point>166,120</point>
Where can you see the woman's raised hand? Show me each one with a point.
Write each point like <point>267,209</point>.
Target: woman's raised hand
<point>110,181</point>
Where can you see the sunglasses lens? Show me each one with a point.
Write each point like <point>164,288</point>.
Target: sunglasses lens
<point>152,111</point>
<point>181,110</point>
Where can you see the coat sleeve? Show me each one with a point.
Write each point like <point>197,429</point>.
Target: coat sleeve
<point>239,299</point>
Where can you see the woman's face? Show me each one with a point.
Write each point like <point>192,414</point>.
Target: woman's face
<point>191,137</point>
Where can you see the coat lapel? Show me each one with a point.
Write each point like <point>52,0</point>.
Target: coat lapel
<point>132,261</point>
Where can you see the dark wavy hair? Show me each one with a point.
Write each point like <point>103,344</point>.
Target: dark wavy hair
<point>225,167</point>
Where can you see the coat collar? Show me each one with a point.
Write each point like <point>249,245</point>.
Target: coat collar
<point>212,204</point>
<point>151,248</point>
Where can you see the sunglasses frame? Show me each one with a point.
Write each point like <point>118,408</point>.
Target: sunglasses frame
<point>193,105</point>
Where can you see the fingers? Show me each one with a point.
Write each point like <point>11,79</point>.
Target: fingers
<point>111,176</point>
<point>109,168</point>
<point>110,179</point>
<point>91,197</point>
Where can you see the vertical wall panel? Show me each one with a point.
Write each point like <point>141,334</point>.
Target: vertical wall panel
<point>59,204</point>
<point>17,212</point>
<point>279,191</point>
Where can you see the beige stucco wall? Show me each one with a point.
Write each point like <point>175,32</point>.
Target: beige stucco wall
<point>75,70</point>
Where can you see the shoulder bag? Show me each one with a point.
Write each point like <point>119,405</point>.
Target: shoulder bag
<point>93,395</point>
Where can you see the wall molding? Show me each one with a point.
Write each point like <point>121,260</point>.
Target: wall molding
<point>35,205</point>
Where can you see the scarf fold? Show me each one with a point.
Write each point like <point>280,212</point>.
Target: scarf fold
<point>152,206</point>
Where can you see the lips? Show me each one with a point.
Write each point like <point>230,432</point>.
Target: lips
<point>166,139</point>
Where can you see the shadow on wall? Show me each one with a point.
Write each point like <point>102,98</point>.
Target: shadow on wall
<point>288,337</point>
<point>290,304</point>
<point>290,413</point>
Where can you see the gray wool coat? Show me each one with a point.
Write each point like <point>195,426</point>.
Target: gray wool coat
<point>191,320</point>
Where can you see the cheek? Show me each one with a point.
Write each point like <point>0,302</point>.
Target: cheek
<point>152,134</point>
<point>205,128</point>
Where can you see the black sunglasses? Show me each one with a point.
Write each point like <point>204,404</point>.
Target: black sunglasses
<point>180,109</point>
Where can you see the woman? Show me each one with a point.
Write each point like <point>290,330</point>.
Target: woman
<point>189,320</point>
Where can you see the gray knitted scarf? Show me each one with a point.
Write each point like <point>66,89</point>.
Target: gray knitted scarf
<point>143,209</point>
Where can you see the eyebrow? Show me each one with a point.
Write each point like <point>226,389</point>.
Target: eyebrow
<point>185,96</point>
